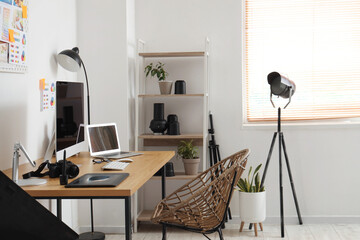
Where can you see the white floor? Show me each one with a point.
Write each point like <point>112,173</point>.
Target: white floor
<point>292,232</point>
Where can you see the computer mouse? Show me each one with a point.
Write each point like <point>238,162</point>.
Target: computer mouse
<point>128,160</point>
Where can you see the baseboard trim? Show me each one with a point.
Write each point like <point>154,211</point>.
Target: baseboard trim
<point>104,229</point>
<point>309,220</point>
<point>237,220</point>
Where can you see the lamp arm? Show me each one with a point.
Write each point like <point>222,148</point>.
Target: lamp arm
<point>18,146</point>
<point>87,88</point>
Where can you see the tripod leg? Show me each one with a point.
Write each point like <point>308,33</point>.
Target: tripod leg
<point>268,159</point>
<point>215,155</point>
<point>281,189</point>
<point>291,181</point>
<point>267,165</point>
<point>218,153</point>
<point>210,156</point>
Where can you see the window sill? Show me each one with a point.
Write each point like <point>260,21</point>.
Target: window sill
<point>336,124</point>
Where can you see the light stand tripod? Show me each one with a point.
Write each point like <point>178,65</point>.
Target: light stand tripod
<point>281,147</point>
<point>214,155</point>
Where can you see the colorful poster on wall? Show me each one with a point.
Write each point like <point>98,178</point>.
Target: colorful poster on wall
<point>4,51</point>
<point>7,1</point>
<point>17,20</point>
<point>5,23</point>
<point>13,31</point>
<point>19,37</point>
<point>47,94</point>
<point>17,54</point>
<point>18,3</point>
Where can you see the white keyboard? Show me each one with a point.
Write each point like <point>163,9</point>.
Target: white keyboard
<point>115,165</point>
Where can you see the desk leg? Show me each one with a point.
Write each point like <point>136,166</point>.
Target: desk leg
<point>58,208</point>
<point>163,195</point>
<point>128,218</point>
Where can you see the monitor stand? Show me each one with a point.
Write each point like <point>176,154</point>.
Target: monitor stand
<point>50,149</point>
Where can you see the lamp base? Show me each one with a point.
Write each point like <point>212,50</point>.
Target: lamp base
<point>30,182</point>
<point>92,236</point>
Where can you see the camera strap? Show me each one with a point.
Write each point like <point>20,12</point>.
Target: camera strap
<point>37,173</point>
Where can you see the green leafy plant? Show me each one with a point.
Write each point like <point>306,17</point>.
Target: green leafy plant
<point>252,183</point>
<point>157,71</point>
<point>187,150</point>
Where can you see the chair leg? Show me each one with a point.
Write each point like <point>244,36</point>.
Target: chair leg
<point>220,234</point>
<point>255,229</point>
<point>241,226</point>
<point>261,227</point>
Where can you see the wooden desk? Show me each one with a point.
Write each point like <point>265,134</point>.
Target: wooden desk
<point>141,170</point>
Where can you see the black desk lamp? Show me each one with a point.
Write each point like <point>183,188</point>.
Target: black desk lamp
<point>71,61</point>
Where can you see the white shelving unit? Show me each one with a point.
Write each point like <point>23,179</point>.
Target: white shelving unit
<point>144,100</point>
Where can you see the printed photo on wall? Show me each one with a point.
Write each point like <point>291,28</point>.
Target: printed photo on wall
<point>18,3</point>
<point>5,24</point>
<point>4,52</point>
<point>18,20</point>
<point>7,1</point>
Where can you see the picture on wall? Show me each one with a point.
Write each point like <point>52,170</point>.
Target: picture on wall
<point>6,1</point>
<point>17,22</point>
<point>5,23</point>
<point>13,35</point>
<point>4,52</point>
<point>18,3</point>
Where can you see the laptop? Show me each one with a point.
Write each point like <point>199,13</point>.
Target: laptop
<point>104,142</point>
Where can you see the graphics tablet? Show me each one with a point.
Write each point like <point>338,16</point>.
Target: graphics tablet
<point>98,180</point>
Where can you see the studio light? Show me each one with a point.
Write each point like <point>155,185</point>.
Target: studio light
<point>280,86</point>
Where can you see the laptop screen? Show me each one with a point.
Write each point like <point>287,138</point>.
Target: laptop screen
<point>103,138</point>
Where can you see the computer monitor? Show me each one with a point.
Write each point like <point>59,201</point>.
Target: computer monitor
<point>69,118</point>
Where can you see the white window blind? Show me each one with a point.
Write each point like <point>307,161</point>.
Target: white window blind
<point>315,43</point>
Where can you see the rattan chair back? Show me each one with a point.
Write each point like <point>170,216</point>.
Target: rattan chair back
<point>201,204</point>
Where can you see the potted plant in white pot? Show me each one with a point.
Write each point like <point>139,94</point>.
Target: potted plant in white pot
<point>189,154</point>
<point>252,199</point>
<point>159,71</point>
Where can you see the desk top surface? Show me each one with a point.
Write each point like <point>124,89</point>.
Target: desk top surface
<point>141,170</point>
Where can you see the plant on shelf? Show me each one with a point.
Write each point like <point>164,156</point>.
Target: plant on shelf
<point>252,199</point>
<point>159,71</point>
<point>189,154</point>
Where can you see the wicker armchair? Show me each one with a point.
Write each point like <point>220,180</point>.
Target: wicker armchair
<point>201,204</point>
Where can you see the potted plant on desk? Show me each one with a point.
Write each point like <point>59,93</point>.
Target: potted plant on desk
<point>252,199</point>
<point>189,154</point>
<point>159,71</point>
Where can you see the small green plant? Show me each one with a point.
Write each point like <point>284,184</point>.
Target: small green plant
<point>187,150</point>
<point>252,183</point>
<point>157,71</point>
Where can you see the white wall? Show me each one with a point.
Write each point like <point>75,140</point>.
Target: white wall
<point>324,159</point>
<point>106,46</point>
<point>21,119</point>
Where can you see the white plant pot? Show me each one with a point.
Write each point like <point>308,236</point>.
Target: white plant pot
<point>165,87</point>
<point>252,207</point>
<point>191,166</point>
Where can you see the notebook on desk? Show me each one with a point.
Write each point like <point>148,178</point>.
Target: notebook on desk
<point>104,142</point>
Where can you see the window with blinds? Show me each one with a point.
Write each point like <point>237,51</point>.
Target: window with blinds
<point>315,43</point>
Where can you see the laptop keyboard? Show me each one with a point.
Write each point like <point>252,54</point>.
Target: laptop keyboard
<point>115,165</point>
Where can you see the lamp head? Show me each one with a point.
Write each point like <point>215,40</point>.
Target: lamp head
<point>280,85</point>
<point>70,59</point>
